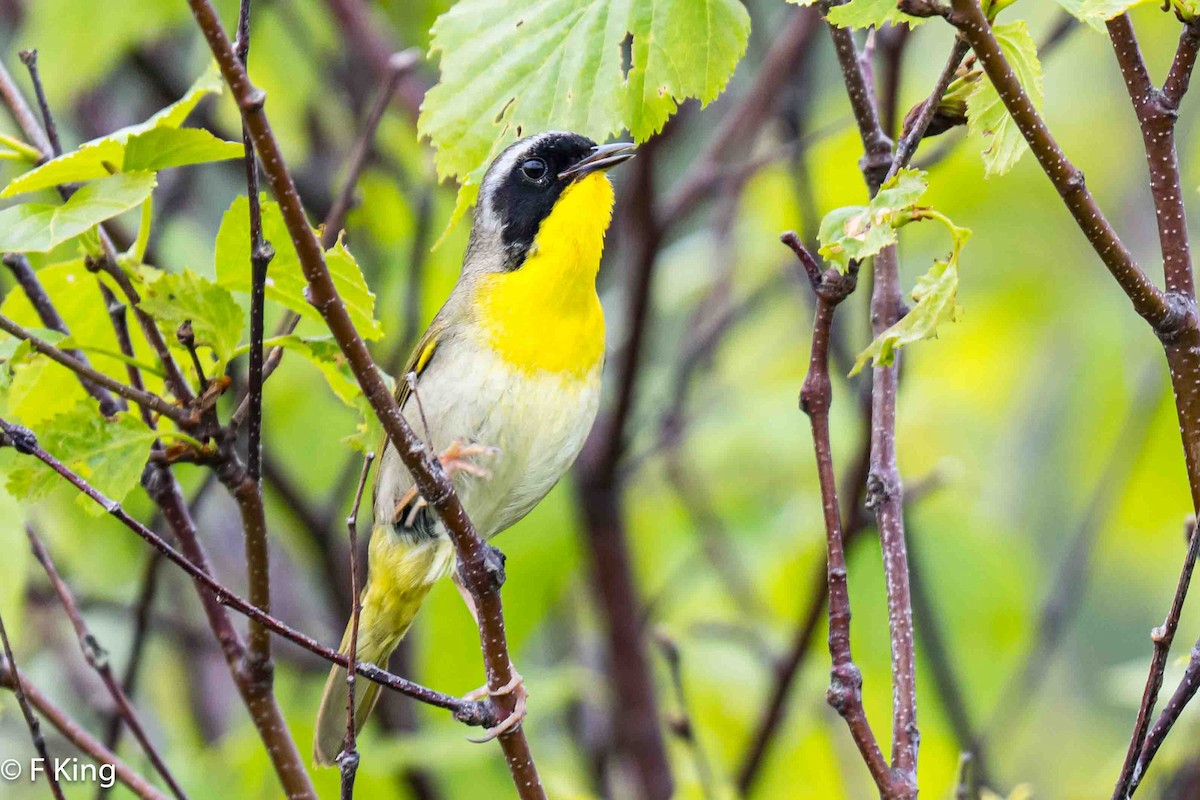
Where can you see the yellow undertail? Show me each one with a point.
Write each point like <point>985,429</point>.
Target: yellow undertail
<point>402,573</point>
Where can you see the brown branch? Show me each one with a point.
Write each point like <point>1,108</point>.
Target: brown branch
<point>480,565</point>
<point>1141,746</point>
<point>877,147</point>
<point>1179,699</point>
<point>1156,115</point>
<point>845,689</point>
<point>97,659</point>
<point>1148,300</point>
<point>335,219</point>
<point>788,669</point>
<point>18,264</point>
<point>348,758</point>
<point>14,681</point>
<point>261,254</point>
<point>915,132</point>
<point>152,402</point>
<point>22,114</point>
<point>108,263</point>
<point>10,677</point>
<point>197,568</point>
<point>30,59</point>
<point>885,496</point>
<point>120,324</point>
<point>246,486</point>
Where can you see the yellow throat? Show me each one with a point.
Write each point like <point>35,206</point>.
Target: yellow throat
<point>545,315</point>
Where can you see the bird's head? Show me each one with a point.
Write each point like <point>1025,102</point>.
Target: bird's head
<point>549,176</point>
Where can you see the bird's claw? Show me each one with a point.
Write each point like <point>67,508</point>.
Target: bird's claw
<point>454,459</point>
<point>515,687</point>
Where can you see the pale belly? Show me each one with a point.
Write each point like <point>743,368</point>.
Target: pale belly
<point>538,422</point>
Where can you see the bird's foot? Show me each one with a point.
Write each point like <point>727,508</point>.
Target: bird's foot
<point>454,458</point>
<point>515,687</point>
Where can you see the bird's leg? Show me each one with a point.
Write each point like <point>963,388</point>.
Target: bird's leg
<point>454,459</point>
<point>515,686</point>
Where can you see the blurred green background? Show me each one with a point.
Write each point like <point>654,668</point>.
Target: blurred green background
<point>1007,424</point>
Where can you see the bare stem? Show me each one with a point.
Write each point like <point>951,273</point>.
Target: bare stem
<point>1149,302</point>
<point>25,442</point>
<point>73,732</point>
<point>97,658</point>
<point>13,679</point>
<point>30,59</point>
<point>348,759</point>
<point>845,689</point>
<point>19,265</point>
<point>480,567</point>
<point>143,398</point>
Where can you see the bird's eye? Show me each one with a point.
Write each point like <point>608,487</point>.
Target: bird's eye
<point>534,169</point>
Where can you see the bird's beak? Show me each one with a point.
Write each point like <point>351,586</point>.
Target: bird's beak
<point>602,157</point>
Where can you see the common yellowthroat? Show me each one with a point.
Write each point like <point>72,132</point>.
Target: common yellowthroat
<point>507,386</point>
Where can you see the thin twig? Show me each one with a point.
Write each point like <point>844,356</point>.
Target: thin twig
<point>19,265</point>
<point>119,319</point>
<point>471,713</point>
<point>97,658</point>
<point>30,59</point>
<point>249,489</point>
<point>1141,747</point>
<point>845,689</point>
<point>22,114</point>
<point>74,733</point>
<point>35,729</point>
<point>152,402</point>
<point>912,137</point>
<point>348,758</point>
<point>335,219</point>
<point>1147,299</point>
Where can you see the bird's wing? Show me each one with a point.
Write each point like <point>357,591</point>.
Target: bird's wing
<point>418,362</point>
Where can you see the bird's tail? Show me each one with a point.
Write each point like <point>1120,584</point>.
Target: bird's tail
<point>402,573</point>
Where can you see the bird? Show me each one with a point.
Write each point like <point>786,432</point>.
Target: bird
<point>504,385</point>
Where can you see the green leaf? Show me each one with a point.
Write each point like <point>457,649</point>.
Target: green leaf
<point>871,14</point>
<point>936,302</point>
<point>14,350</point>
<point>857,232</point>
<point>369,432</point>
<point>162,148</point>
<point>323,353</point>
<point>987,118</point>
<point>109,454</point>
<point>509,70</point>
<point>216,318</point>
<point>285,280</point>
<point>155,144</point>
<point>1096,12</point>
<point>38,227</point>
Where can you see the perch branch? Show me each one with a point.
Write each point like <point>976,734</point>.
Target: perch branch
<point>480,565</point>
